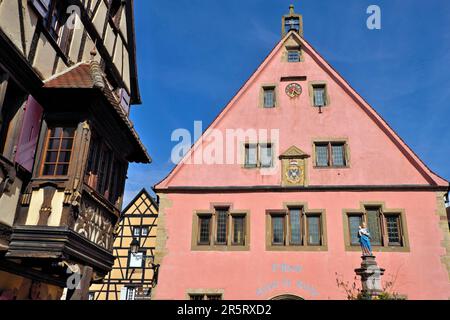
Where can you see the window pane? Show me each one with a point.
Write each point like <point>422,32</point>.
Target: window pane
<point>314,230</point>
<point>319,96</point>
<point>239,230</point>
<point>393,230</point>
<point>278,230</point>
<point>51,156</point>
<point>266,156</point>
<point>64,156</point>
<point>49,170</point>
<point>250,155</point>
<point>62,169</point>
<point>136,260</point>
<point>195,297</point>
<point>293,56</point>
<point>269,98</point>
<point>322,155</point>
<point>295,224</point>
<point>53,144</point>
<point>214,297</point>
<point>338,155</point>
<point>373,224</point>
<point>66,144</point>
<point>354,223</point>
<point>205,223</point>
<point>137,231</point>
<point>144,231</point>
<point>222,219</point>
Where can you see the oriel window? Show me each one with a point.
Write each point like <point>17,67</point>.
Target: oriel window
<point>58,152</point>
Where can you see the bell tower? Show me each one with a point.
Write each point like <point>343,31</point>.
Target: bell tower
<point>292,21</point>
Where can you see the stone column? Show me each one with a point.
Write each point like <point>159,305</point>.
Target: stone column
<point>370,274</point>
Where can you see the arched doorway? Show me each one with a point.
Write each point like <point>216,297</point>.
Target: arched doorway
<point>287,297</point>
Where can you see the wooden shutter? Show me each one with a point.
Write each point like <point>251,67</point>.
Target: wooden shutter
<point>29,135</point>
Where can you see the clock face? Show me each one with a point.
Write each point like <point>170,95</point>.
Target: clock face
<point>293,90</point>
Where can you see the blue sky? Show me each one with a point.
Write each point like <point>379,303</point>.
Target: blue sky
<point>402,70</point>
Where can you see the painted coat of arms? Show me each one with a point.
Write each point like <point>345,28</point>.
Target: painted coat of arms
<point>294,173</point>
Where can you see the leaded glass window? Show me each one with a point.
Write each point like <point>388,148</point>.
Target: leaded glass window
<point>278,230</point>
<point>205,230</point>
<point>239,230</point>
<point>251,155</point>
<point>293,56</point>
<point>295,226</point>
<point>266,155</point>
<point>354,222</point>
<point>222,223</point>
<point>319,94</point>
<point>393,230</point>
<point>338,152</point>
<point>314,233</point>
<point>322,155</point>
<point>269,97</point>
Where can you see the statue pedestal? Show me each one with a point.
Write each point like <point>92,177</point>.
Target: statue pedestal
<point>370,274</point>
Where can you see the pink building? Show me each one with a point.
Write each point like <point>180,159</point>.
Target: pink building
<point>281,219</point>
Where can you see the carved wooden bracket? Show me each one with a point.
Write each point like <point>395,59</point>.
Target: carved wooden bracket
<point>46,208</point>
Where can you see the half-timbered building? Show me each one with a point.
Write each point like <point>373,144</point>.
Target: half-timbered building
<point>134,274</point>
<point>68,77</point>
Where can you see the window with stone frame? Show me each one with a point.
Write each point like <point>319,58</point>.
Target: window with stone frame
<point>331,154</point>
<point>259,155</point>
<point>296,227</point>
<point>385,228</point>
<point>320,97</point>
<point>221,228</point>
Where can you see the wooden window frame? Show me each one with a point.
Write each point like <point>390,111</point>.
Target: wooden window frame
<point>43,161</point>
<point>385,246</point>
<point>109,183</point>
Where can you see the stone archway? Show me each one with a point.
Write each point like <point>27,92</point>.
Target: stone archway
<point>287,297</point>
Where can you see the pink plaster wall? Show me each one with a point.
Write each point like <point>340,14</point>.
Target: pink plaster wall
<point>420,273</point>
<point>374,160</point>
